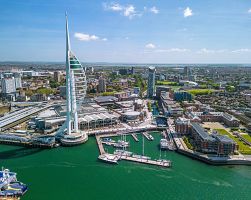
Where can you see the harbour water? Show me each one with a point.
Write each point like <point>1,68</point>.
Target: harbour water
<point>75,173</point>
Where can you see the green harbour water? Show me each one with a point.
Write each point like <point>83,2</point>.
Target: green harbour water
<point>76,174</point>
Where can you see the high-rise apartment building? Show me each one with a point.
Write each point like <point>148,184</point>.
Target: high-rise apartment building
<point>151,82</point>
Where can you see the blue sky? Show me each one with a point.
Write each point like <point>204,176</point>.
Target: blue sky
<point>139,31</point>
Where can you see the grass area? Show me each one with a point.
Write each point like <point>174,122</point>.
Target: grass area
<point>200,91</point>
<point>243,148</point>
<point>167,83</point>
<point>46,91</point>
<point>175,88</point>
<point>108,93</point>
<point>188,144</point>
<point>247,137</point>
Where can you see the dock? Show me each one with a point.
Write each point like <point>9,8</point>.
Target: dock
<point>161,163</point>
<point>135,137</point>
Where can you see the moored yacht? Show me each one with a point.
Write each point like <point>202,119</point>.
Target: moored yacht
<point>109,158</point>
<point>163,144</point>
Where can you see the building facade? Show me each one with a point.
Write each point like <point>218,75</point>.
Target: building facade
<point>8,85</point>
<point>151,82</point>
<point>101,85</point>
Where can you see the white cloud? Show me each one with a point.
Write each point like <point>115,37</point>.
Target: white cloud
<point>125,10</point>
<point>210,51</point>
<point>104,39</point>
<point>85,37</point>
<point>188,12</point>
<point>172,50</point>
<point>129,11</point>
<point>241,50</point>
<point>154,10</point>
<point>249,11</point>
<point>150,46</point>
<point>113,6</point>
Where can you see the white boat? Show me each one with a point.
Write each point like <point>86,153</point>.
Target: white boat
<point>109,158</point>
<point>141,157</point>
<point>123,153</point>
<point>151,137</point>
<point>163,144</point>
<point>121,144</point>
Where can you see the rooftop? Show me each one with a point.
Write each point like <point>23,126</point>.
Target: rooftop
<point>201,131</point>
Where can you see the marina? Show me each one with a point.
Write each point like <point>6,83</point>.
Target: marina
<point>122,154</point>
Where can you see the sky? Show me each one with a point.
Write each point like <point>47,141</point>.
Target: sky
<point>127,31</point>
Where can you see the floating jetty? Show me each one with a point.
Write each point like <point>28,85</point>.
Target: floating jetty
<point>135,137</point>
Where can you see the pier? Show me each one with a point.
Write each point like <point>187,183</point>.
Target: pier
<point>28,144</point>
<point>100,145</point>
<point>135,137</point>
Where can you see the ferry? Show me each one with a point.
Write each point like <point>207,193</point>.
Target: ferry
<point>9,186</point>
<point>109,158</point>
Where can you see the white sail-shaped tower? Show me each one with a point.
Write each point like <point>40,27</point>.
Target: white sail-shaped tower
<point>75,93</point>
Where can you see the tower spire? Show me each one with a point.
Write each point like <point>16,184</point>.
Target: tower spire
<point>68,46</point>
<point>68,79</point>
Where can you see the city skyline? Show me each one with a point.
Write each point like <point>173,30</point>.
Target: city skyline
<point>128,31</point>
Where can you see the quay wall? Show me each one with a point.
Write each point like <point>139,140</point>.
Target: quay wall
<point>214,162</point>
